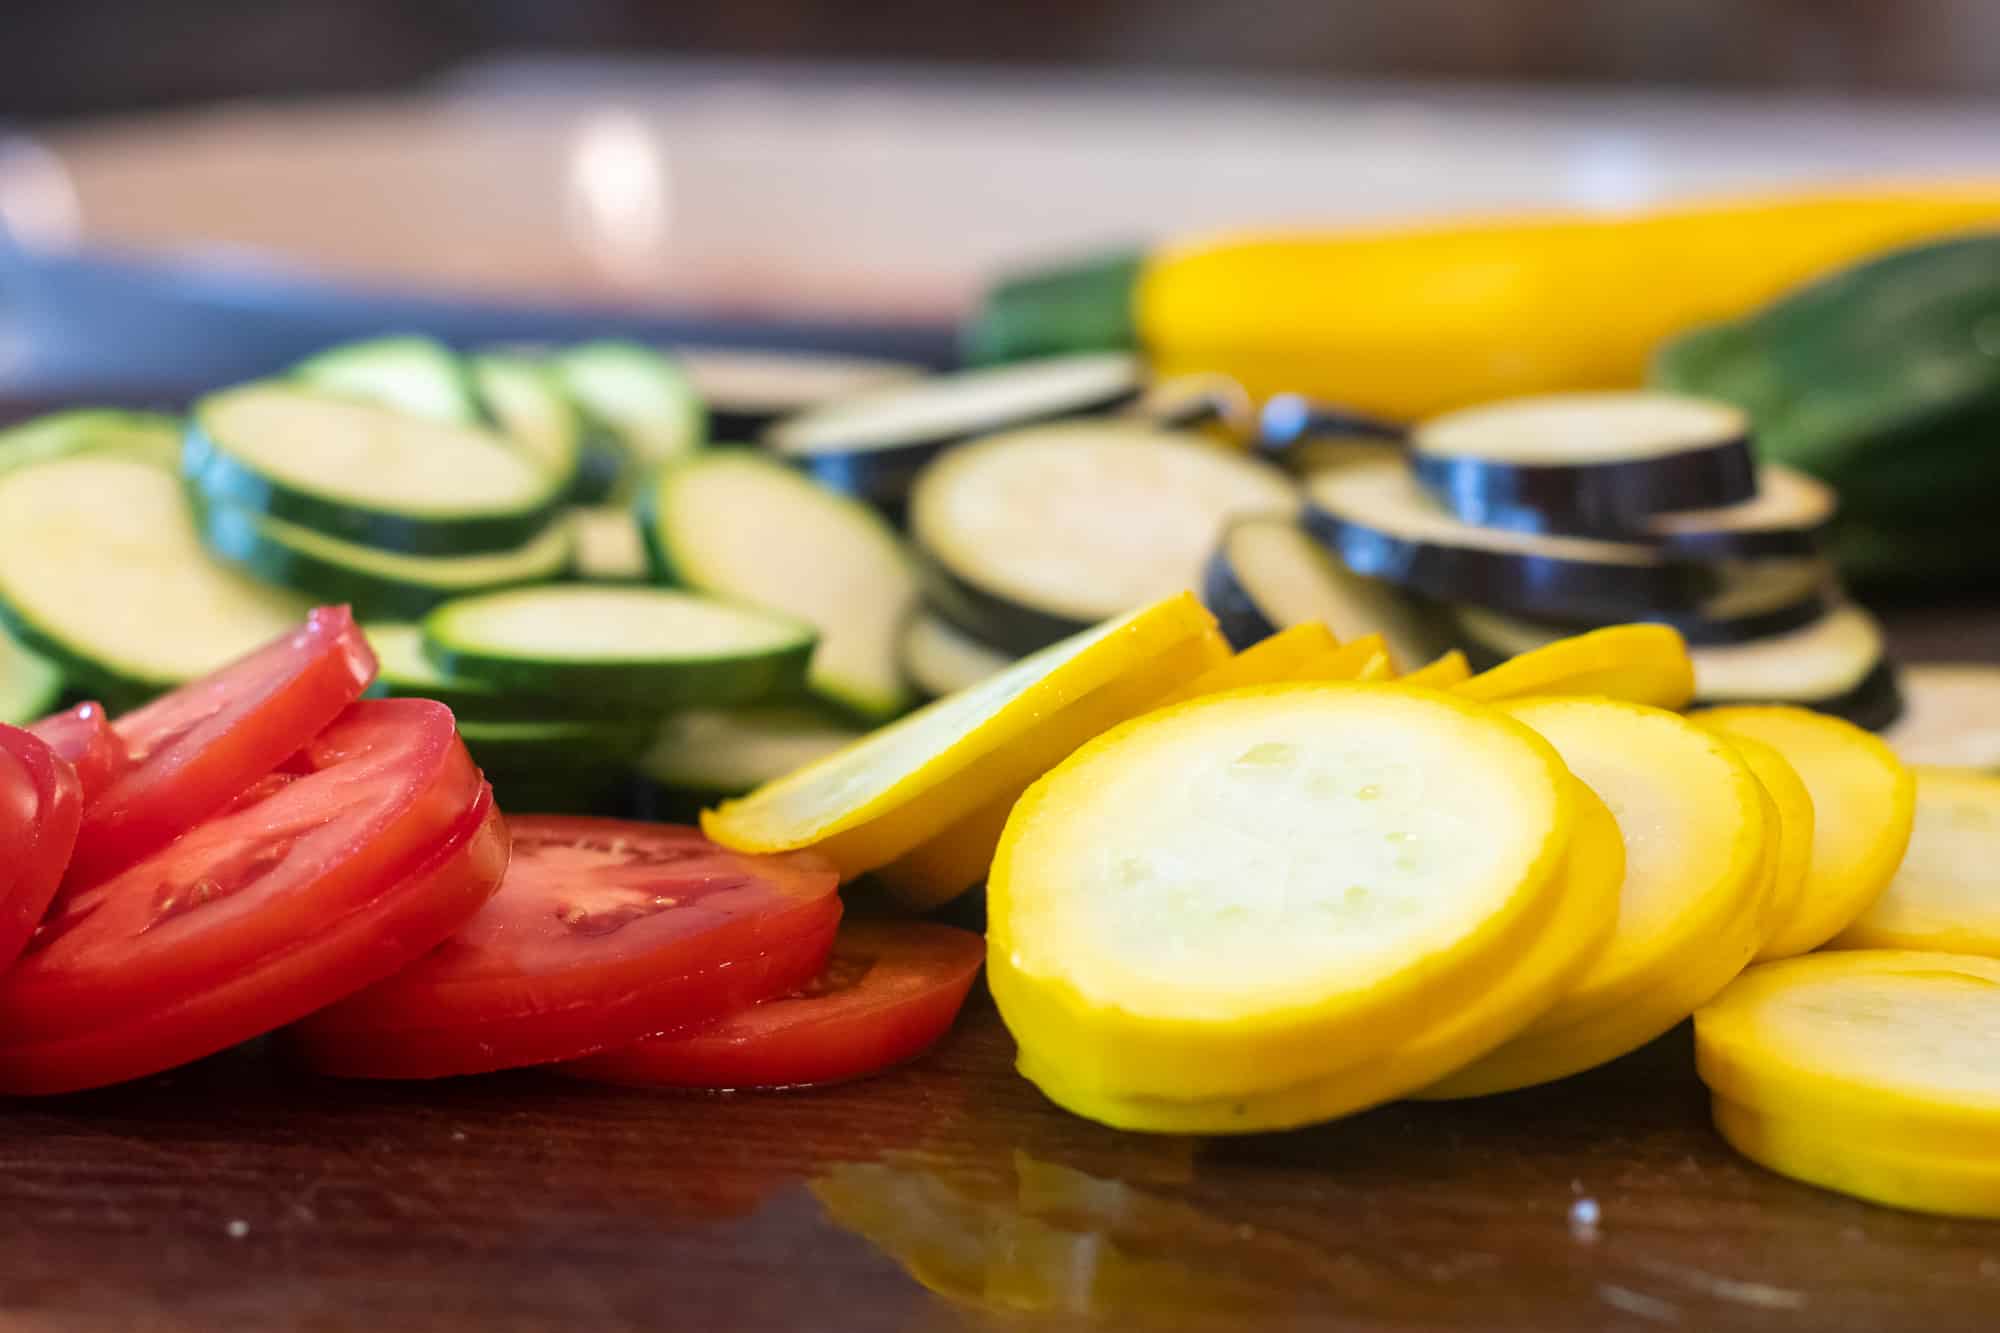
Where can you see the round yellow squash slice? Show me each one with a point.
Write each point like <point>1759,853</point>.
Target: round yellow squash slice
<point>1864,801</point>
<point>1201,918</point>
<point>1946,893</point>
<point>1692,909</point>
<point>1883,1052</point>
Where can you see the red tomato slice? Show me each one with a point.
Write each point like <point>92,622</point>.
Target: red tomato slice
<point>84,737</point>
<point>256,918</point>
<point>604,932</point>
<point>890,990</point>
<point>195,749</point>
<point>41,803</point>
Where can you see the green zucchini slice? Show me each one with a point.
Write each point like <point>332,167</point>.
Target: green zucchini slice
<point>149,437</point>
<point>375,582</point>
<point>29,683</point>
<point>414,375</point>
<point>366,473</point>
<point>737,525</point>
<point>640,397</point>
<point>646,645</point>
<point>103,573</point>
<point>729,751</point>
<point>747,390</point>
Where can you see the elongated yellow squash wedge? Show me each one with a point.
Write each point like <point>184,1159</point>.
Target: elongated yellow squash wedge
<point>1793,808</point>
<point>1888,1050</point>
<point>1945,895</point>
<point>1864,801</point>
<point>1691,914</point>
<point>1266,662</point>
<point>1848,1159</point>
<point>1364,659</point>
<point>1447,671</point>
<point>1247,894</point>
<point>868,804</point>
<point>1572,936</point>
<point>1641,664</point>
<point>948,864</point>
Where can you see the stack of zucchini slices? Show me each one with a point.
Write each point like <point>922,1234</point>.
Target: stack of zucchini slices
<point>1506,526</point>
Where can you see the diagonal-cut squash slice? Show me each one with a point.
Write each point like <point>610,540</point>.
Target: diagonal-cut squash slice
<point>1692,908</point>
<point>1641,664</point>
<point>948,864</point>
<point>1363,659</point>
<point>1252,892</point>
<point>868,804</point>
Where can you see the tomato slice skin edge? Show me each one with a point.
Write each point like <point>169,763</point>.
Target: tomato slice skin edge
<point>43,814</point>
<point>391,781</point>
<point>194,749</point>
<point>916,978</point>
<point>84,736</point>
<point>401,924</point>
<point>605,932</point>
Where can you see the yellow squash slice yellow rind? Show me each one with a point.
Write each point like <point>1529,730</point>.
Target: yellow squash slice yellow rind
<point>1641,664</point>
<point>1697,830</point>
<point>1255,890</point>
<point>864,806</point>
<point>1864,802</point>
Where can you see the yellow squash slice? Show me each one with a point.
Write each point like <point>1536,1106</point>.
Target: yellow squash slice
<point>1850,1159</point>
<point>1697,832</point>
<point>1946,893</point>
<point>1208,910</point>
<point>1266,662</point>
<point>948,864</point>
<point>1572,936</point>
<point>1886,1052</point>
<point>1864,800</point>
<point>1447,671</point>
<point>1642,664</point>
<point>868,804</point>
<point>1365,659</point>
<point>1793,808</point>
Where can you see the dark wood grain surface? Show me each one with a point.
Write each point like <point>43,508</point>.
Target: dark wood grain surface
<point>241,1194</point>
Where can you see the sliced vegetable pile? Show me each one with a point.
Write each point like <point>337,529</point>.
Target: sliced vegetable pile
<point>1495,752</point>
<point>264,848</point>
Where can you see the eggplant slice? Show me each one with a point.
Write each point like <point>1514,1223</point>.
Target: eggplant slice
<point>1268,574</point>
<point>1032,535</point>
<point>1371,513</point>
<point>872,446</point>
<point>746,390</point>
<point>1585,463</point>
<point>1836,664</point>
<point>1789,516</point>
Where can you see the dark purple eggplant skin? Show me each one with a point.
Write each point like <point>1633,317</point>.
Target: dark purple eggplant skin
<point>1589,499</point>
<point>1236,613</point>
<point>989,617</point>
<point>883,477</point>
<point>1514,581</point>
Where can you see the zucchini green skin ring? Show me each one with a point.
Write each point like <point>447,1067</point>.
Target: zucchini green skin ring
<point>259,546</point>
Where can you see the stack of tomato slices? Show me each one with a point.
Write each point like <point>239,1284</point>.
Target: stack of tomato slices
<point>265,849</point>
